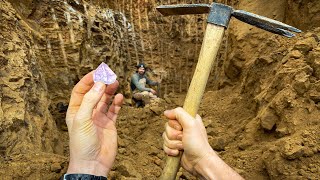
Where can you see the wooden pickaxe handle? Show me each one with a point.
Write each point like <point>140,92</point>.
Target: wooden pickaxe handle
<point>209,50</point>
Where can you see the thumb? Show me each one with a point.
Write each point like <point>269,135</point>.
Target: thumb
<point>184,118</point>
<point>90,100</point>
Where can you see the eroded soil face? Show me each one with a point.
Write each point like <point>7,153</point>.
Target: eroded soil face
<point>261,108</point>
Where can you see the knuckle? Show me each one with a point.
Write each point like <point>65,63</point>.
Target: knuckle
<point>173,152</point>
<point>166,149</point>
<point>179,111</point>
<point>171,144</point>
<point>172,135</point>
<point>169,152</point>
<point>166,125</point>
<point>166,143</point>
<point>171,123</point>
<point>74,90</point>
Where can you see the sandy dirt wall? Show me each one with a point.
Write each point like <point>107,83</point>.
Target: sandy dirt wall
<point>46,47</point>
<point>29,135</point>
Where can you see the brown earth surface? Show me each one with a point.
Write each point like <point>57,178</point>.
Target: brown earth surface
<point>261,108</point>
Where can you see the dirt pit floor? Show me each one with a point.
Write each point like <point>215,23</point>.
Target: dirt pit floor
<point>233,131</point>
<point>261,108</point>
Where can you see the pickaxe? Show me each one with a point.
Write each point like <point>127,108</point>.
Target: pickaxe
<point>218,20</point>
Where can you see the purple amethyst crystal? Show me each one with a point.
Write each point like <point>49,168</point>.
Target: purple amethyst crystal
<point>104,74</point>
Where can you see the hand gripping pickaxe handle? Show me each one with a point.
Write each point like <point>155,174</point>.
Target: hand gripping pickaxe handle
<point>210,46</point>
<point>218,20</point>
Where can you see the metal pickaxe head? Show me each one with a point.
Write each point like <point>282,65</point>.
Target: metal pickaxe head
<point>220,14</point>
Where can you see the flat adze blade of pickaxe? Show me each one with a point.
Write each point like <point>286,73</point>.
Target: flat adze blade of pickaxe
<point>183,9</point>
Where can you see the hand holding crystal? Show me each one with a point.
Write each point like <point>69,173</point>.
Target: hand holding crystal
<point>91,125</point>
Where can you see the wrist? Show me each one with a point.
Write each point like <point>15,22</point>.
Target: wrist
<point>204,167</point>
<point>87,167</point>
<point>213,167</point>
<point>82,176</point>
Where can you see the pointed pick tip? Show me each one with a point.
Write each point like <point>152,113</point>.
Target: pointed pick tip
<point>286,33</point>
<point>296,30</point>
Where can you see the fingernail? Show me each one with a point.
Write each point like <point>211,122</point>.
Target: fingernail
<point>180,146</point>
<point>176,127</point>
<point>98,86</point>
<point>179,137</point>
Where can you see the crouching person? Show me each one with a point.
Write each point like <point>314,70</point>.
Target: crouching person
<point>139,80</point>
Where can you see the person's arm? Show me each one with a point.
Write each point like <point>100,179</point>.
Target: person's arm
<point>135,81</point>
<point>213,167</point>
<point>150,82</point>
<point>183,132</point>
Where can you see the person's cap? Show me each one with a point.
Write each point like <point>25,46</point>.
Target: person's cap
<point>141,65</point>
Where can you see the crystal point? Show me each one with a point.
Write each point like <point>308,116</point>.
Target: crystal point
<point>104,74</point>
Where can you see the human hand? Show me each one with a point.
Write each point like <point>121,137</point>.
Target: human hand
<point>153,91</point>
<point>91,126</point>
<point>183,132</point>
